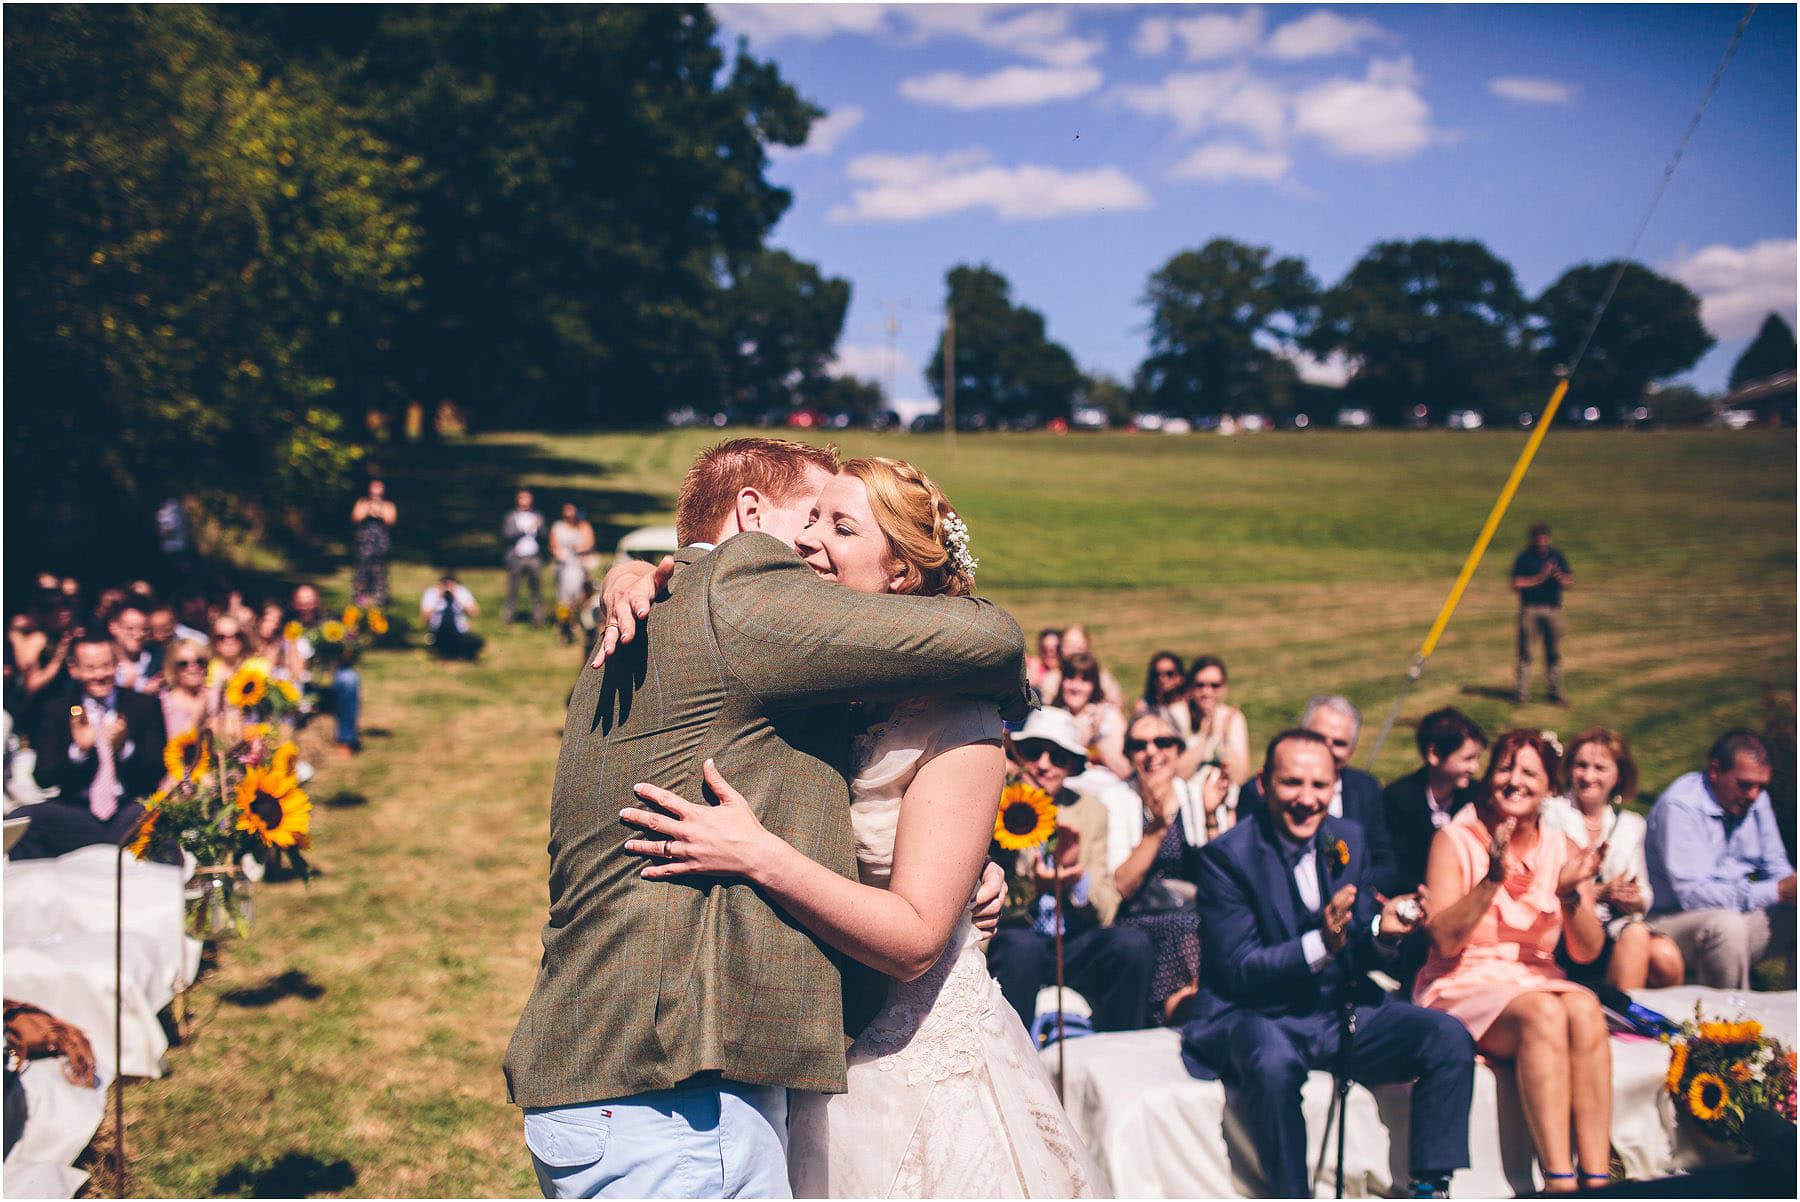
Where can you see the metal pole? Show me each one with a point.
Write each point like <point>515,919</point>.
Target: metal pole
<point>949,378</point>
<point>1346,1038</point>
<point>119,1024</point>
<point>1061,1042</point>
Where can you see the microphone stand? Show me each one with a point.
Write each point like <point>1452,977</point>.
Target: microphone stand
<point>1346,1039</point>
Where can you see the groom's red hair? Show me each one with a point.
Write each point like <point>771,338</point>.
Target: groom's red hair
<point>774,467</point>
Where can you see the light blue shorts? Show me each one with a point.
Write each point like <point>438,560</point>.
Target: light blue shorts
<point>701,1139</point>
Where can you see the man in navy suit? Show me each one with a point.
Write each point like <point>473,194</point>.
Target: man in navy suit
<point>1288,931</point>
<point>1356,796</point>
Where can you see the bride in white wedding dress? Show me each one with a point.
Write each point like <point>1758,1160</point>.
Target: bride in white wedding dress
<point>946,1095</point>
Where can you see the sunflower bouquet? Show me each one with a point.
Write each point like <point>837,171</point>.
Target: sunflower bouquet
<point>1721,1073</point>
<point>1026,821</point>
<point>259,694</point>
<point>222,804</point>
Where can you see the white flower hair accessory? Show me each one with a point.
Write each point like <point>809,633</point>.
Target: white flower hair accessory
<point>956,541</point>
<point>1549,736</point>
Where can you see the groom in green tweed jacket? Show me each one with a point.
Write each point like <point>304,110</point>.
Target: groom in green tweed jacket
<point>669,1019</point>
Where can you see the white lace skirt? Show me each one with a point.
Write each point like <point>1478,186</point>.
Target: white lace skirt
<point>946,1099</point>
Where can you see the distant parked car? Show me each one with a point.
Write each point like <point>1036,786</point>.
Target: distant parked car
<point>1464,419</point>
<point>927,423</point>
<point>649,544</point>
<point>1250,423</point>
<point>1588,416</point>
<point>1354,418</point>
<point>1737,419</point>
<point>1178,425</point>
<point>1057,425</point>
<point>1418,418</point>
<point>805,419</point>
<point>1088,417</point>
<point>682,418</point>
<point>1295,421</point>
<point>974,423</point>
<point>884,419</point>
<point>1149,423</point>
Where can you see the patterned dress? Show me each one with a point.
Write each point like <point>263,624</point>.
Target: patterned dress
<point>946,1096</point>
<point>1174,933</point>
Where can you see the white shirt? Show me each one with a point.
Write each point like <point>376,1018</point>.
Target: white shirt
<point>1440,814</point>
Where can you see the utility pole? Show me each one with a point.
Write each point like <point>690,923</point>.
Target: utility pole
<point>949,377</point>
<point>892,327</point>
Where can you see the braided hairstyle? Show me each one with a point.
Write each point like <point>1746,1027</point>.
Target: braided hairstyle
<point>912,512</point>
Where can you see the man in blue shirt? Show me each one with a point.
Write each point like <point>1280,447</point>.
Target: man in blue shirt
<point>1539,576</point>
<point>1723,885</point>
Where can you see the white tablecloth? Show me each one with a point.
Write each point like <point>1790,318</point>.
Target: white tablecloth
<point>59,924</point>
<point>1160,1133</point>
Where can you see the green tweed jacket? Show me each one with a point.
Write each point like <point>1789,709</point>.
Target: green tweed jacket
<point>751,660</point>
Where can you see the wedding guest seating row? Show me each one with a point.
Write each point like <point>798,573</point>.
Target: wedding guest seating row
<point>1159,1133</point>
<point>59,954</point>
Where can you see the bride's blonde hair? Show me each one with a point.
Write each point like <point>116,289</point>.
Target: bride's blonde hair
<point>912,512</point>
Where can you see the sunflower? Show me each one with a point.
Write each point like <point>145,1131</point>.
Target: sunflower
<point>274,808</point>
<point>1677,1066</point>
<point>292,631</point>
<point>1340,853</point>
<point>246,686</point>
<point>352,616</point>
<point>378,622</point>
<point>285,759</point>
<point>288,690</point>
<point>146,829</point>
<point>332,632</point>
<point>188,755</point>
<point>255,731</point>
<point>1706,1097</point>
<point>1724,1032</point>
<point>1027,816</point>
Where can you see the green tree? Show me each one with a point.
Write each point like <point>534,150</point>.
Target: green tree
<point>1650,331</point>
<point>780,323</point>
<point>1771,352</point>
<point>861,399</point>
<point>1429,322</point>
<point>196,247</point>
<point>1006,366</point>
<point>594,176</point>
<point>1217,315</point>
<point>1679,405</point>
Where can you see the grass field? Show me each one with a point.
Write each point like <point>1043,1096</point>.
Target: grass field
<point>351,1046</point>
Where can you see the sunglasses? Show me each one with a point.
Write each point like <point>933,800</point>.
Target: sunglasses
<point>1033,750</point>
<point>1168,672</point>
<point>1208,684</point>
<point>188,663</point>
<point>1166,742</point>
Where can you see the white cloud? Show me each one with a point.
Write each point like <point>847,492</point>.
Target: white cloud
<point>1739,286</point>
<point>1528,89</point>
<point>865,362</point>
<point>914,187</point>
<point>827,133</point>
<point>1012,87</point>
<point>1198,100</point>
<point>1045,35</point>
<point>1211,35</point>
<point>1223,161</point>
<point>808,22</point>
<point>1321,35</point>
<point>1333,371</point>
<point>1379,117</point>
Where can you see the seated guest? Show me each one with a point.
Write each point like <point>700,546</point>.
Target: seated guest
<point>1722,884</point>
<point>271,631</point>
<point>101,748</point>
<point>1098,722</point>
<point>446,608</point>
<point>140,660</point>
<point>1290,928</point>
<point>1598,773</point>
<point>1047,657</point>
<point>231,649</point>
<point>1504,887</point>
<point>1417,807</point>
<point>1109,966</point>
<point>1075,642</point>
<point>1156,822</point>
<point>1356,795</point>
<point>335,682</point>
<point>186,701</point>
<point>1165,688</point>
<point>1216,733</point>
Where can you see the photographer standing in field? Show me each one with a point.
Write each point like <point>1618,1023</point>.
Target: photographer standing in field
<point>1539,576</point>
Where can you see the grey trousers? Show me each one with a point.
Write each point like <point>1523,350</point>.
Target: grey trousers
<point>1721,945</point>
<point>1539,624</point>
<point>531,572</point>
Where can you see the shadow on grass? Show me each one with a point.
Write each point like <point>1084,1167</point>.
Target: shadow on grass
<point>453,497</point>
<point>344,799</point>
<point>1491,692</point>
<point>295,1175</point>
<point>292,983</point>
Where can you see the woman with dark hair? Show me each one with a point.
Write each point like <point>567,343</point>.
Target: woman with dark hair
<point>1165,688</point>
<point>1099,722</point>
<point>1598,774</point>
<point>1216,733</point>
<point>1042,663</point>
<point>1503,888</point>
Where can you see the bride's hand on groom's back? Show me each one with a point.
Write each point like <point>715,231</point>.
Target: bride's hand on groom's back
<point>692,837</point>
<point>627,593</point>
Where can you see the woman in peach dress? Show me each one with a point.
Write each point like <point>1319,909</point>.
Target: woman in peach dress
<point>1513,887</point>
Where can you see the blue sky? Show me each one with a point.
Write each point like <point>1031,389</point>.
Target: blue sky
<point>1076,148</point>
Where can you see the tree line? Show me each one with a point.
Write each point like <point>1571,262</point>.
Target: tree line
<point>1421,326</point>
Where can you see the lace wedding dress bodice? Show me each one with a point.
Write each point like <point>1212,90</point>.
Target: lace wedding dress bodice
<point>946,1095</point>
